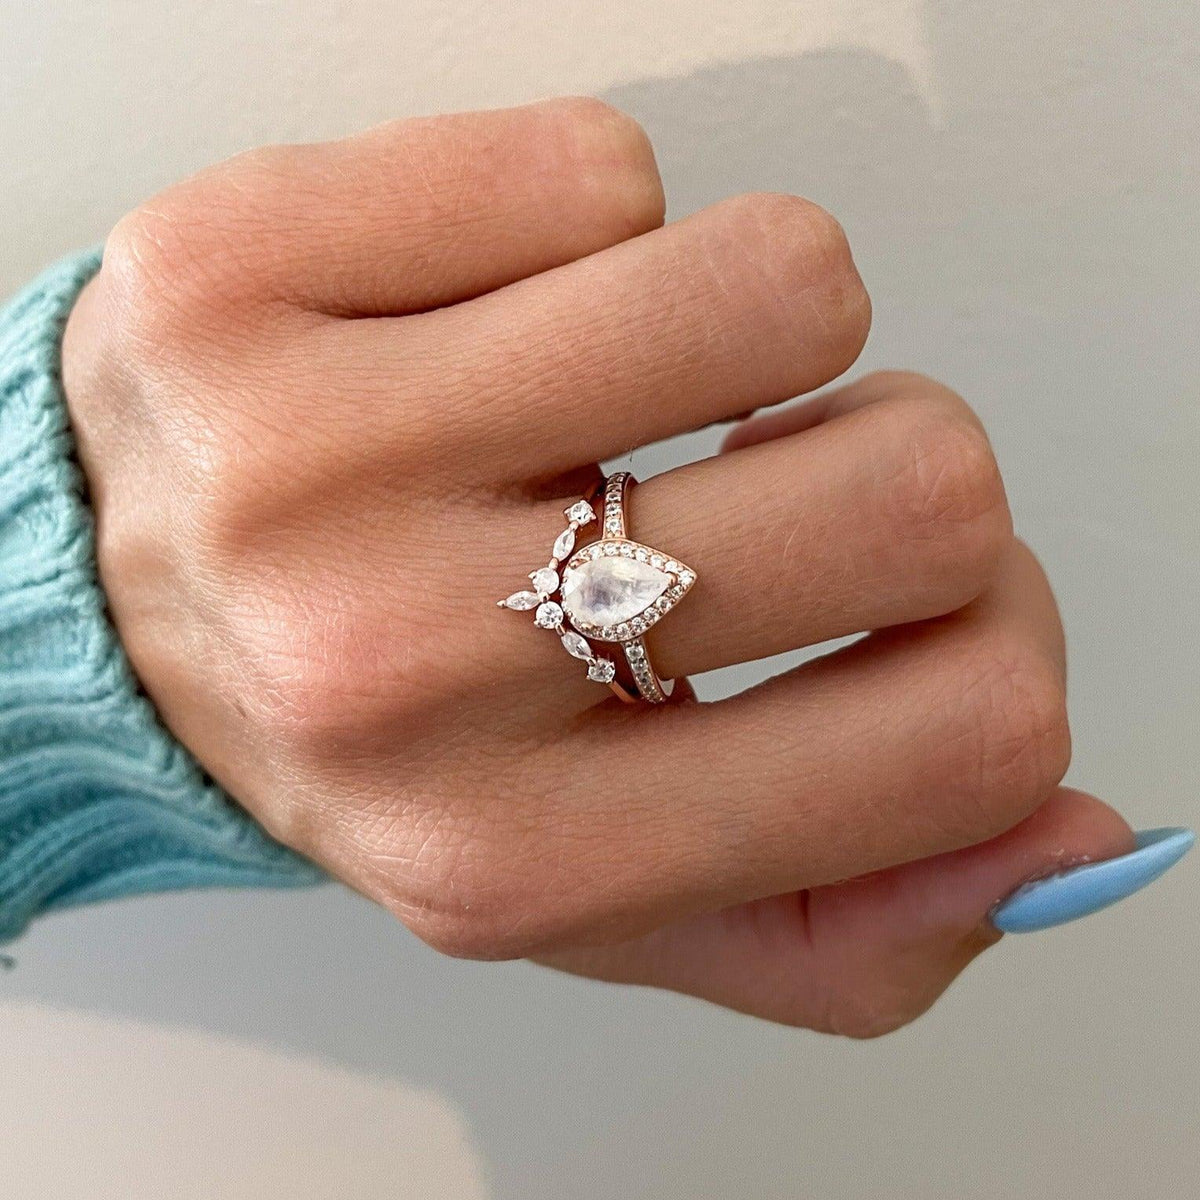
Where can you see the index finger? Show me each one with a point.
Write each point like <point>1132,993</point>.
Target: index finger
<point>419,213</point>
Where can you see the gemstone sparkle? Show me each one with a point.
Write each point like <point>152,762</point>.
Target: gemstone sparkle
<point>548,616</point>
<point>576,646</point>
<point>565,544</point>
<point>522,601</point>
<point>611,590</point>
<point>601,670</point>
<point>581,511</point>
<point>545,580</point>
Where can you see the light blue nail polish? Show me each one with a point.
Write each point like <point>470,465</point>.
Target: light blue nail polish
<point>1093,886</point>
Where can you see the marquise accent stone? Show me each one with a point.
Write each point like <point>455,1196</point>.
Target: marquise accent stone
<point>522,601</point>
<point>564,545</point>
<point>576,646</point>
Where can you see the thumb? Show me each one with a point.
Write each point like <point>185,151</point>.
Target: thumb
<point>869,955</point>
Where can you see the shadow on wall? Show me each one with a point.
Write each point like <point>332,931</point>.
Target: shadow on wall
<point>1031,242</point>
<point>1058,191</point>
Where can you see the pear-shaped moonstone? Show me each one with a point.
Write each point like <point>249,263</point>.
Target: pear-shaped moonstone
<point>611,590</point>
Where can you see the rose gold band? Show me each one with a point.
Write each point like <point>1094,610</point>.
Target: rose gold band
<point>611,590</point>
<point>646,682</point>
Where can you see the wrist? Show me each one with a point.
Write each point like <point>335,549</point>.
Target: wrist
<point>96,798</point>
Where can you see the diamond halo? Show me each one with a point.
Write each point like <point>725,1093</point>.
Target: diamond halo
<point>613,574</point>
<point>612,590</point>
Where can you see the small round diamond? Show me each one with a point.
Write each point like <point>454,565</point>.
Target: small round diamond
<point>545,580</point>
<point>548,615</point>
<point>601,670</point>
<point>581,511</point>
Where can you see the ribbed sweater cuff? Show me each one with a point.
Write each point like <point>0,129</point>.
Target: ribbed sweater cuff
<point>97,799</point>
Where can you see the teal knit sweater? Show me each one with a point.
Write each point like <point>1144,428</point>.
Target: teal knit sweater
<point>97,799</point>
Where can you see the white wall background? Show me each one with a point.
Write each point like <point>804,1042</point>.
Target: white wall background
<point>1020,181</point>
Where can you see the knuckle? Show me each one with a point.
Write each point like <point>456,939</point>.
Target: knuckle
<point>464,933</point>
<point>325,667</point>
<point>285,681</point>
<point>233,510</point>
<point>948,489</point>
<point>200,243</point>
<point>318,674</point>
<point>147,259</point>
<point>865,1005</point>
<point>475,870</point>
<point>260,167</point>
<point>167,270</point>
<point>861,1023</point>
<point>460,893</point>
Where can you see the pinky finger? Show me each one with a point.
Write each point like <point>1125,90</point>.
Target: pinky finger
<point>865,957</point>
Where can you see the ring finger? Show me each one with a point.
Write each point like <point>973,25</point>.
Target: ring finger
<point>908,744</point>
<point>890,512</point>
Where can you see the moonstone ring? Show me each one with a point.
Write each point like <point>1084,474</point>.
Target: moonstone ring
<point>609,591</point>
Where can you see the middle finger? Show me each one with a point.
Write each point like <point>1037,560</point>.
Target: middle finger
<point>745,304</point>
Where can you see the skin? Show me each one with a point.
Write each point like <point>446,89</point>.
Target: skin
<point>331,400</point>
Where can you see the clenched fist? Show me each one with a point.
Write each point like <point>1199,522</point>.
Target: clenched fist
<point>331,401</point>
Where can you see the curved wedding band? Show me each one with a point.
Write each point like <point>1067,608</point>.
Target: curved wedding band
<point>610,591</point>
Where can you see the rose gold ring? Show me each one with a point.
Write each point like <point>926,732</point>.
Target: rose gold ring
<point>611,591</point>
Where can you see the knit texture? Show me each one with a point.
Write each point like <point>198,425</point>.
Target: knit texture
<point>97,799</point>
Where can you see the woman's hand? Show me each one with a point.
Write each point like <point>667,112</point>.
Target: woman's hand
<point>331,401</point>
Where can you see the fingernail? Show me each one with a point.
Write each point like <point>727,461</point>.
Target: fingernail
<point>1093,886</point>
